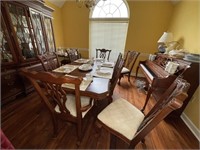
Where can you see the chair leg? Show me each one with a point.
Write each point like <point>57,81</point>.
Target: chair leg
<point>79,131</point>
<point>143,141</point>
<point>110,100</point>
<point>129,75</point>
<point>55,125</point>
<point>113,141</point>
<point>119,80</point>
<point>98,128</point>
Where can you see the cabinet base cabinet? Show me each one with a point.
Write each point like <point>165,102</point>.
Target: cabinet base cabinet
<point>26,31</point>
<point>13,84</point>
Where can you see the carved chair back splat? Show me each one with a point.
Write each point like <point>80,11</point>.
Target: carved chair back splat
<point>61,104</point>
<point>130,124</point>
<point>103,53</point>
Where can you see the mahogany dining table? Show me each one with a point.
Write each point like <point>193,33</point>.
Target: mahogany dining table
<point>98,89</point>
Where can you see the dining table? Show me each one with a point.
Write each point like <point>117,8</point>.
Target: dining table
<point>98,86</point>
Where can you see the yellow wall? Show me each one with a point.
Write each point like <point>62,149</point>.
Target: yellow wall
<point>185,26</point>
<point>57,25</point>
<point>148,21</point>
<point>76,26</point>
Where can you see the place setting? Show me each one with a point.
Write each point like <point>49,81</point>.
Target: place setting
<point>82,60</point>
<point>103,72</point>
<point>108,64</point>
<point>66,68</point>
<point>85,67</point>
<point>84,84</point>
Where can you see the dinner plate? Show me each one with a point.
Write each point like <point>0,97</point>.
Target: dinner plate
<point>85,67</point>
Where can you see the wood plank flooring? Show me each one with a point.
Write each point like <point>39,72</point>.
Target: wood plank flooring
<point>27,123</point>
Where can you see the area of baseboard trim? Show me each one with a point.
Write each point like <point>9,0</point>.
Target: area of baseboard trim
<point>191,126</point>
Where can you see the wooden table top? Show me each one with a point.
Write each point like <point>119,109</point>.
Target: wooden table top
<point>99,87</point>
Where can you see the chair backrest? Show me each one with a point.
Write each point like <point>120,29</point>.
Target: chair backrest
<point>60,103</point>
<point>49,61</point>
<point>130,59</point>
<point>119,58</point>
<point>171,100</point>
<point>116,73</point>
<point>73,54</point>
<point>49,87</point>
<point>103,53</point>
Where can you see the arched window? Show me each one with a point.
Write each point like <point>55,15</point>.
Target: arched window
<point>110,9</point>
<point>108,27</point>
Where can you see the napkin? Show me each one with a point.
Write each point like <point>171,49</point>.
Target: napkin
<point>83,86</point>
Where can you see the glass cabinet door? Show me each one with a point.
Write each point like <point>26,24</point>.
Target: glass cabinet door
<point>49,34</point>
<point>6,48</point>
<point>23,29</point>
<point>37,25</point>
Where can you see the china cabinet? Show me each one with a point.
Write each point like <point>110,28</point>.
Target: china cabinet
<point>26,31</point>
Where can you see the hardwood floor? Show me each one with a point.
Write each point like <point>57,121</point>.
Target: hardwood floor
<point>27,123</point>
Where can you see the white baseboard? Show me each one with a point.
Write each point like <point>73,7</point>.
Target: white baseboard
<point>191,126</point>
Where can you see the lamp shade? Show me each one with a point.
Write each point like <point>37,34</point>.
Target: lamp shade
<point>166,37</point>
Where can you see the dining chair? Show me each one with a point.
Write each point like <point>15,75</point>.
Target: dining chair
<point>129,124</point>
<point>129,63</point>
<point>115,76</point>
<point>61,104</point>
<point>73,54</point>
<point>103,53</point>
<point>49,61</point>
<point>111,86</point>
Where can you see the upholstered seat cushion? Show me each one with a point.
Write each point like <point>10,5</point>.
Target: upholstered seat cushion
<point>122,117</point>
<point>71,106</point>
<point>125,70</point>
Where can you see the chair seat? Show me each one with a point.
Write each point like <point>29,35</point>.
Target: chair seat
<point>125,70</point>
<point>71,106</point>
<point>121,111</point>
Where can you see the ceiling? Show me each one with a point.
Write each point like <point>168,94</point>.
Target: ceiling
<point>58,3</point>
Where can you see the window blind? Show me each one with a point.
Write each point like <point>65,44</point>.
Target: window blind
<point>108,35</point>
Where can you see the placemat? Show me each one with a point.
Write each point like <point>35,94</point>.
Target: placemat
<point>104,72</point>
<point>83,61</point>
<point>83,86</point>
<point>66,68</point>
